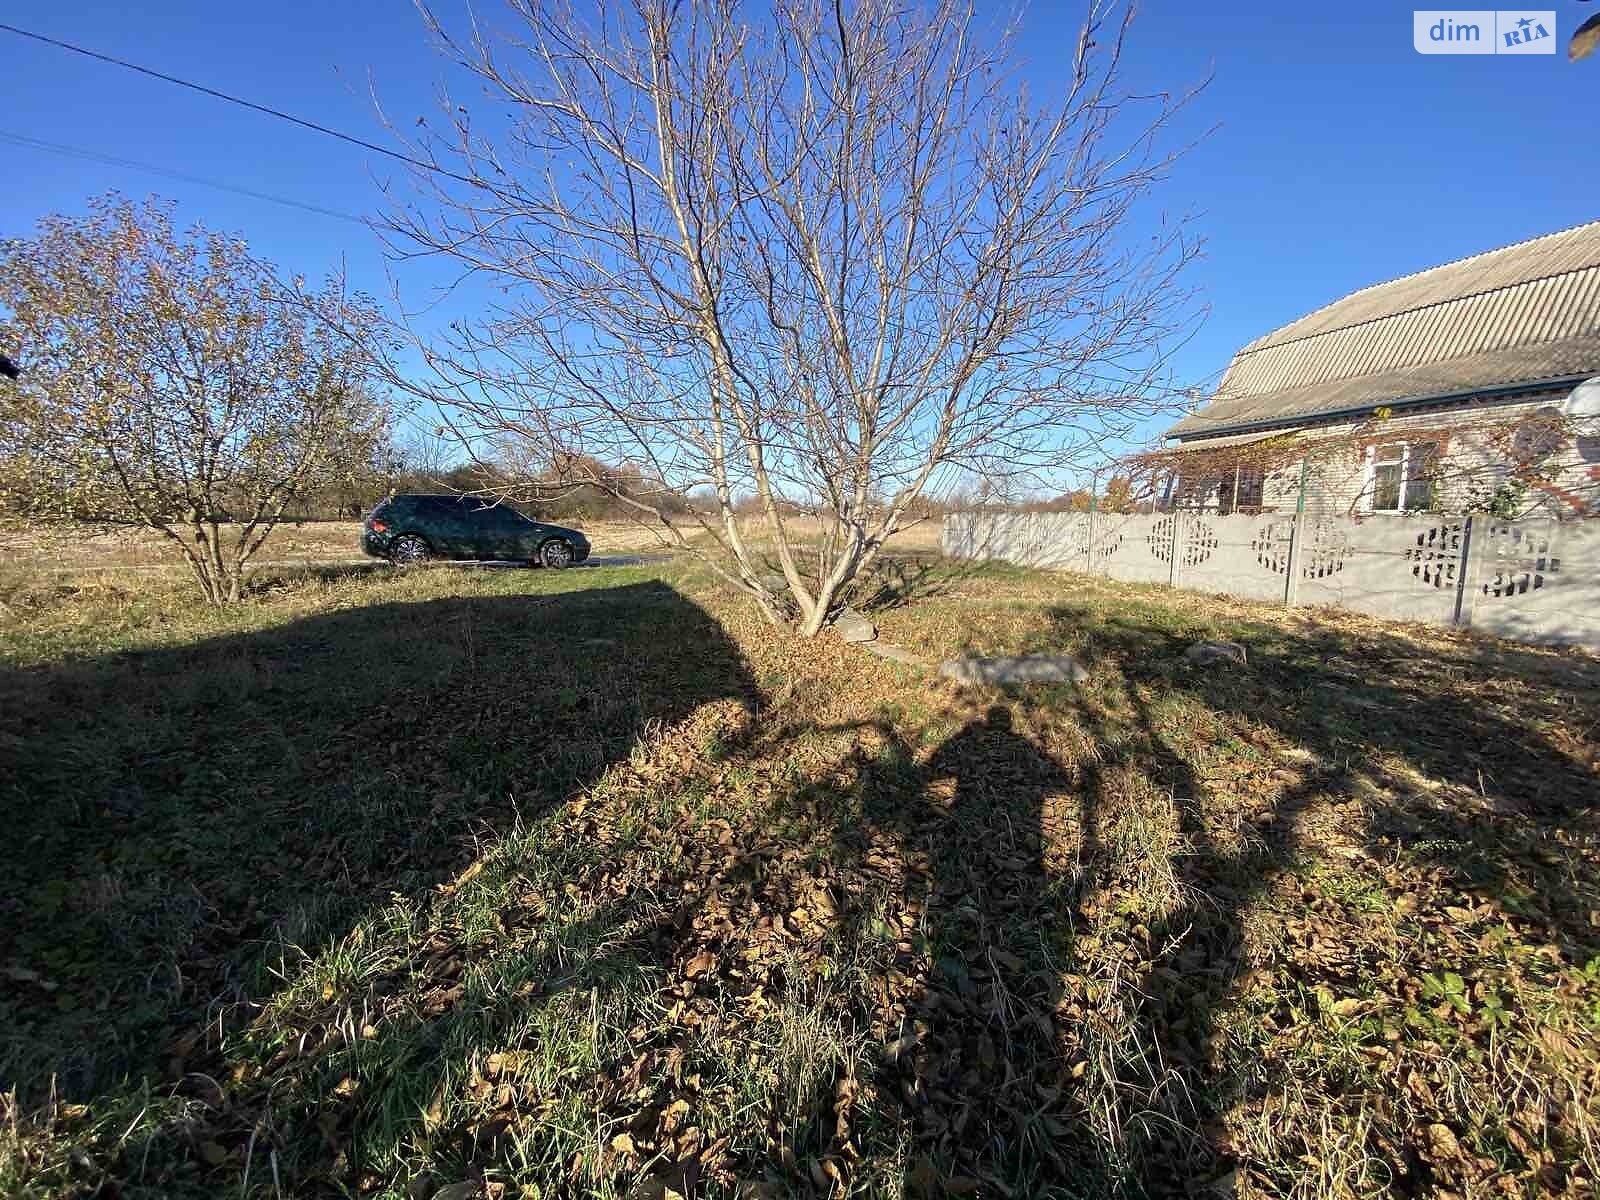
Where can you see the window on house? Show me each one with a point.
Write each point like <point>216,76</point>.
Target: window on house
<point>1422,470</point>
<point>1241,489</point>
<point>1403,476</point>
<point>1388,477</point>
<point>1196,491</point>
<point>1252,480</point>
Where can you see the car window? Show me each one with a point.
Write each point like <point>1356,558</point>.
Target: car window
<point>500,516</point>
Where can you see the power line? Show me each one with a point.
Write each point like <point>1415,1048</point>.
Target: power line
<point>243,103</point>
<point>17,139</point>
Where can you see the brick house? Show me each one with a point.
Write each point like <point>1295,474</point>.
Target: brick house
<point>1472,386</point>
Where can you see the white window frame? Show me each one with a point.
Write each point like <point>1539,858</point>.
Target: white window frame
<point>1408,454</point>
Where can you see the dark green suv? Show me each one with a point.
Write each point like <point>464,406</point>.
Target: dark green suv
<point>410,529</point>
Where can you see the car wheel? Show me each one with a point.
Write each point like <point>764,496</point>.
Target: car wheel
<point>408,550</point>
<point>555,554</point>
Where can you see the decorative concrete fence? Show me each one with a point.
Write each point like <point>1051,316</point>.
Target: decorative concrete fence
<point>1533,580</point>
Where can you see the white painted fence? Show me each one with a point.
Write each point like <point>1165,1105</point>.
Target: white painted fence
<point>1533,580</point>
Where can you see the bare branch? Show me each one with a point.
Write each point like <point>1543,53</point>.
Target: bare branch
<point>828,258</point>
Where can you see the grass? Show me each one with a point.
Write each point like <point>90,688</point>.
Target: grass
<point>73,547</point>
<point>524,883</point>
<point>30,550</point>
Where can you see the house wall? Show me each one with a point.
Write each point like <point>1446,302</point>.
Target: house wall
<point>1535,580</point>
<point>1473,460</point>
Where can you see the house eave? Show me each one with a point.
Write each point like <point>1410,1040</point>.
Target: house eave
<point>1299,420</point>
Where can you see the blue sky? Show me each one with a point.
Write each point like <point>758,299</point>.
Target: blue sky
<point>1340,156</point>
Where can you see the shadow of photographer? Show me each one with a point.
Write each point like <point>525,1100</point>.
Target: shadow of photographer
<point>191,823</point>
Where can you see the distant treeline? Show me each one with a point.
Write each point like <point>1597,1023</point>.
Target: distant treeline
<point>584,489</point>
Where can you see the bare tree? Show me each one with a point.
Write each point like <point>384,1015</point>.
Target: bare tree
<point>173,382</point>
<point>423,452</point>
<point>830,256</point>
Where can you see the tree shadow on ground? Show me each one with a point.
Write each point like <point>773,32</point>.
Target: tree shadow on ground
<point>1030,929</point>
<point>900,899</point>
<point>190,823</point>
<point>897,580</point>
<point>1381,749</point>
<point>1043,941</point>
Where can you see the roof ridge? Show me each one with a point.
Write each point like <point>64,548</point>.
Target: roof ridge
<point>1260,343</point>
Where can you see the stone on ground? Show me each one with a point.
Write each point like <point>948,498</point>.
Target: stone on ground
<point>1027,668</point>
<point>853,627</point>
<point>1206,653</point>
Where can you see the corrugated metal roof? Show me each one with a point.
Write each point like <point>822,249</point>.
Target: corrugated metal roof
<point>1519,313</point>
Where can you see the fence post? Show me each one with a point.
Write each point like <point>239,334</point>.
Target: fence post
<point>1177,547</point>
<point>1291,585</point>
<point>1474,541</point>
<point>1088,545</point>
<point>1297,538</point>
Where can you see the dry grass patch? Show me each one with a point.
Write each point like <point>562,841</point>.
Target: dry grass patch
<point>590,885</point>
<point>27,548</point>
